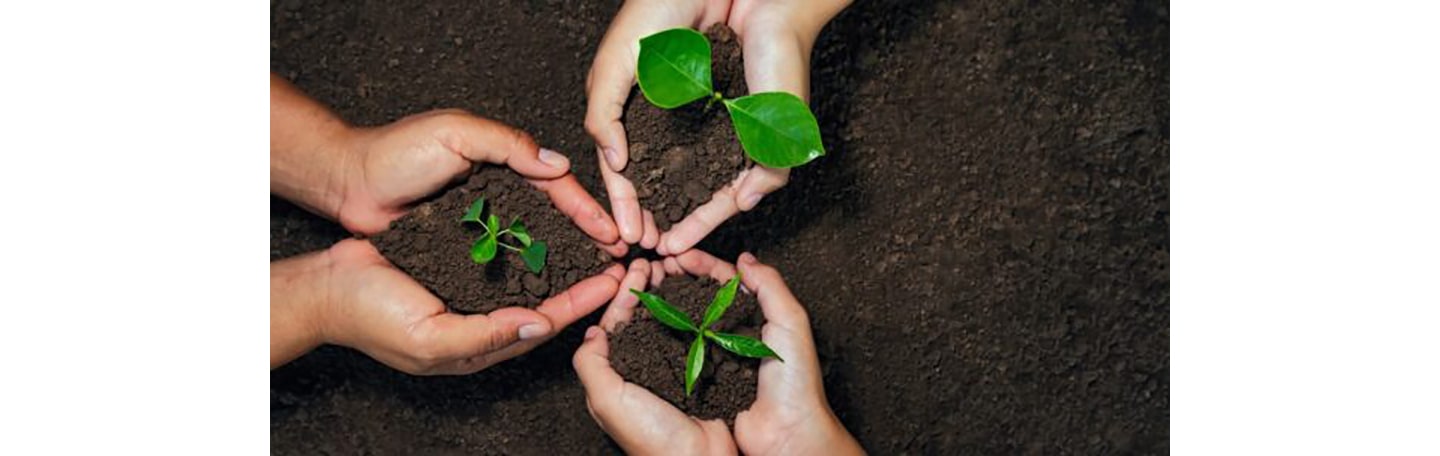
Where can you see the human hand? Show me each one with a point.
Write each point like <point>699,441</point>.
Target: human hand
<point>790,414</point>
<point>389,167</point>
<point>384,313</point>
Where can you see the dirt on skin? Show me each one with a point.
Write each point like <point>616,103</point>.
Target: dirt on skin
<point>983,252</point>
<point>679,157</point>
<point>433,246</point>
<point>650,354</point>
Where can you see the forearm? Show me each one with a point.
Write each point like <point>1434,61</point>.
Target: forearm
<point>298,294</point>
<point>307,150</point>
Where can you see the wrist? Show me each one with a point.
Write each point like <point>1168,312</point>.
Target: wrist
<point>299,296</point>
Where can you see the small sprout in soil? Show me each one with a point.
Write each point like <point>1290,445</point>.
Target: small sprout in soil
<point>531,250</point>
<point>776,129</point>
<point>695,360</point>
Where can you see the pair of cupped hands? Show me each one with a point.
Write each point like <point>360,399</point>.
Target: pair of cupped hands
<point>381,311</point>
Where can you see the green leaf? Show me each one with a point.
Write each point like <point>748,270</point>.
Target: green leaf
<point>492,225</point>
<point>517,229</point>
<point>722,301</point>
<point>694,361</point>
<point>743,346</point>
<point>776,129</point>
<point>484,249</point>
<point>534,256</point>
<point>473,214</point>
<point>674,67</point>
<point>665,312</point>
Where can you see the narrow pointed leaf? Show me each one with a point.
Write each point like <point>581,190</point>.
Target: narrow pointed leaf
<point>534,256</point>
<point>484,249</point>
<point>674,67</point>
<point>743,346</point>
<point>665,312</point>
<point>722,301</point>
<point>776,129</point>
<point>517,229</point>
<point>473,214</point>
<point>694,361</point>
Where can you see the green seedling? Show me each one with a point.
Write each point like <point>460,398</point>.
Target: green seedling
<point>531,250</point>
<point>735,343</point>
<point>776,129</point>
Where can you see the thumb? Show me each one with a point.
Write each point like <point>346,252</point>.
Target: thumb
<point>458,336</point>
<point>611,78</point>
<point>488,141</point>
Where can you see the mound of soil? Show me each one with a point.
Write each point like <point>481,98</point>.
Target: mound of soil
<point>433,246</point>
<point>650,354</point>
<point>679,157</point>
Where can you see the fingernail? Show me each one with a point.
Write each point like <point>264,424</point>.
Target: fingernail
<point>750,201</point>
<point>554,159</point>
<point>532,331</point>
<point>613,158</point>
<point>747,258</point>
<point>592,332</point>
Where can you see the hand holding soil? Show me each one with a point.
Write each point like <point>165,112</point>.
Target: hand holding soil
<point>789,414</point>
<point>366,178</point>
<point>776,37</point>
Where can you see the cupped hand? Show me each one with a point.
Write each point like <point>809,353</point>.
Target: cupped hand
<point>384,313</point>
<point>388,168</point>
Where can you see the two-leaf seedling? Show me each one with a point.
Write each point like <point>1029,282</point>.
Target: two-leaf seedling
<point>735,343</point>
<point>776,129</point>
<point>485,248</point>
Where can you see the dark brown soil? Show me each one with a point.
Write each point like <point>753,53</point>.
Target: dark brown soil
<point>984,250</point>
<point>652,355</point>
<point>679,157</point>
<point>433,246</point>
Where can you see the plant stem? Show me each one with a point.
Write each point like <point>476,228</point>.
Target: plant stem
<point>508,246</point>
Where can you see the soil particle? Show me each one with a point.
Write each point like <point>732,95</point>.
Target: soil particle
<point>433,246</point>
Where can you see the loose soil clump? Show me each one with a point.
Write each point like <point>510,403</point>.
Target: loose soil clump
<point>679,157</point>
<point>431,245</point>
<point>652,355</point>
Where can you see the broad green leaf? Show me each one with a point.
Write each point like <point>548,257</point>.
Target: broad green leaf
<point>694,361</point>
<point>722,301</point>
<point>484,249</point>
<point>674,67</point>
<point>492,225</point>
<point>743,346</point>
<point>534,256</point>
<point>517,229</point>
<point>473,214</point>
<point>665,312</point>
<point>776,129</point>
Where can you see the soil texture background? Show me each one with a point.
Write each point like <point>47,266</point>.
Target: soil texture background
<point>652,355</point>
<point>433,246</point>
<point>679,157</point>
<point>984,251</point>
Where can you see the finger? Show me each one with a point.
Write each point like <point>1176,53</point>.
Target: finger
<point>776,302</point>
<point>580,300</point>
<point>699,263</point>
<point>608,86</point>
<point>657,274</point>
<point>622,308</point>
<point>483,140</point>
<point>684,235</point>
<point>592,365</point>
<point>623,202</point>
<point>573,201</point>
<point>447,337</point>
<point>651,234</point>
<point>672,267</point>
<point>617,250</point>
<point>776,63</point>
<point>760,182</point>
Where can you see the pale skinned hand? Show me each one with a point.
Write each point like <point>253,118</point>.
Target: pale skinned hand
<point>776,39</point>
<point>394,165</point>
<point>790,414</point>
<point>384,313</point>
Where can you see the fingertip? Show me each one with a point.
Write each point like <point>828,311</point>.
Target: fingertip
<point>555,159</point>
<point>593,331</point>
<point>748,258</point>
<point>615,271</point>
<point>651,235</point>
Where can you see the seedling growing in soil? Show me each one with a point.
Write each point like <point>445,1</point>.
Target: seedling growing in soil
<point>531,250</point>
<point>735,343</point>
<point>776,129</point>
